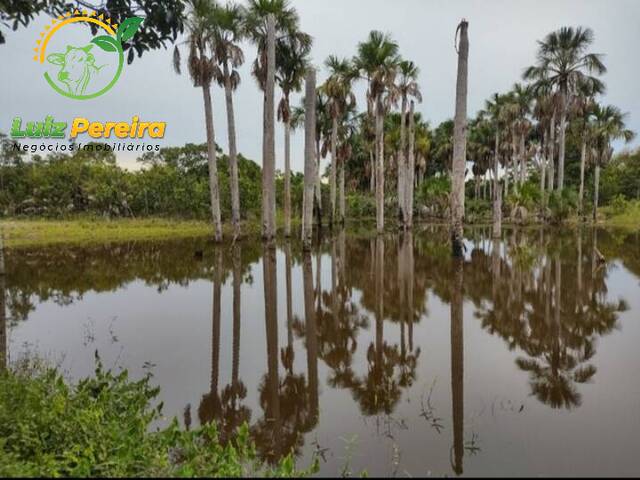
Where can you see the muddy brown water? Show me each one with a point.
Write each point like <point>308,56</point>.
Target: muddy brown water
<point>374,353</point>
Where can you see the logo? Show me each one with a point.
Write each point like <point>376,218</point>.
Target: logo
<point>79,67</point>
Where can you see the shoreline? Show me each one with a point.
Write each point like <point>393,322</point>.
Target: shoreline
<point>19,233</point>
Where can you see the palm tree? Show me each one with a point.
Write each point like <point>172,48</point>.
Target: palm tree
<point>407,86</point>
<point>608,125</point>
<point>228,33</point>
<point>291,68</point>
<point>270,24</point>
<point>340,99</point>
<point>581,107</point>
<point>494,109</point>
<point>309,158</point>
<point>202,70</point>
<point>459,143</point>
<point>377,61</point>
<point>563,62</point>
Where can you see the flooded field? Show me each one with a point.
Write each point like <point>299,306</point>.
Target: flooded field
<point>374,353</point>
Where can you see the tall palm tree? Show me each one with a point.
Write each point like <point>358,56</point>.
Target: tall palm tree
<point>340,99</point>
<point>202,70</point>
<point>270,24</point>
<point>407,86</point>
<point>228,33</point>
<point>291,69</point>
<point>564,61</point>
<point>582,106</point>
<point>377,61</point>
<point>309,158</point>
<point>608,125</point>
<point>494,109</point>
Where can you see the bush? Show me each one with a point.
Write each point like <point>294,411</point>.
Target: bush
<point>562,205</point>
<point>434,194</point>
<point>101,428</point>
<point>360,205</point>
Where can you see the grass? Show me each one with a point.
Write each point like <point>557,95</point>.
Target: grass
<point>628,217</point>
<point>21,233</point>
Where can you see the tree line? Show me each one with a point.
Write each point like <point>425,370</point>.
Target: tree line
<point>552,130</point>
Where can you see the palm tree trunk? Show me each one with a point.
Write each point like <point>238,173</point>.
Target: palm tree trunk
<point>310,168</point>
<point>268,141</point>
<point>543,172</point>
<point>459,144</point>
<point>318,187</point>
<point>552,148</point>
<point>334,168</point>
<point>233,155</point>
<point>4,346</point>
<point>213,163</point>
<point>563,129</point>
<point>402,166</point>
<point>411,168</point>
<point>583,159</point>
<point>379,165</point>
<point>596,193</point>
<point>342,206</point>
<point>287,178</point>
<point>523,160</point>
<point>372,173</point>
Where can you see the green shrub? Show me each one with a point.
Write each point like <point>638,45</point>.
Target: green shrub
<point>434,194</point>
<point>562,205</point>
<point>361,205</point>
<point>619,205</point>
<point>100,427</point>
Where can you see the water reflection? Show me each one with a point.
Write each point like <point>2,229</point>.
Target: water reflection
<point>350,326</point>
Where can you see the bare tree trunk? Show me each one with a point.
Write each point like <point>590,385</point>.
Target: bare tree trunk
<point>411,168</point>
<point>334,168</point>
<point>562,140</point>
<point>233,155</point>
<point>596,193</point>
<point>402,166</point>
<point>379,165</point>
<point>287,177</point>
<point>583,159</point>
<point>213,163</point>
<point>268,141</point>
<point>310,167</point>
<point>459,144</point>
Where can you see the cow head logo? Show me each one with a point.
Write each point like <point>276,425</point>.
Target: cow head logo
<point>83,68</point>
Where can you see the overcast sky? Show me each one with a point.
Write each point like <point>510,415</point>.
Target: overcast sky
<point>502,33</point>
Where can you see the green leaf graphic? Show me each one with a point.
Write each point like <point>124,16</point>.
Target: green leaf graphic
<point>128,28</point>
<point>106,43</point>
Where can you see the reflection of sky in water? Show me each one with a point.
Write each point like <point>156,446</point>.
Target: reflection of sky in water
<point>515,433</point>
